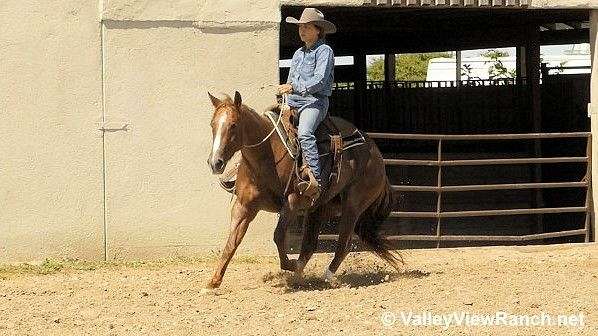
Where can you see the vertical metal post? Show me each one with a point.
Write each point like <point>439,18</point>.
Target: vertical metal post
<point>593,111</point>
<point>588,179</point>
<point>520,87</point>
<point>389,67</point>
<point>439,194</point>
<point>458,66</point>
<point>389,79</point>
<point>520,64</point>
<point>360,64</point>
<point>533,75</point>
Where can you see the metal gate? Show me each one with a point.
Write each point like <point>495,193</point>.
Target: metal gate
<point>441,189</point>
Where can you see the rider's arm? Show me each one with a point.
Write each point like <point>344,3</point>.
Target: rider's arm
<point>293,68</point>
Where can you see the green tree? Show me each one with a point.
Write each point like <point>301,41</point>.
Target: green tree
<point>409,67</point>
<point>498,69</point>
<point>493,54</point>
<point>466,70</point>
<point>376,69</point>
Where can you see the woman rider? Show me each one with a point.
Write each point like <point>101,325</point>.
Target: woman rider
<point>309,85</point>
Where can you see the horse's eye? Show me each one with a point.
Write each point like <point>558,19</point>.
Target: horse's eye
<point>233,126</point>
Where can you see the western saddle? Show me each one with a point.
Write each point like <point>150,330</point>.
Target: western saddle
<point>331,145</point>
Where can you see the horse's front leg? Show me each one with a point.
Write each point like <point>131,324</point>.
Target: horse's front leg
<point>241,216</point>
<point>287,216</point>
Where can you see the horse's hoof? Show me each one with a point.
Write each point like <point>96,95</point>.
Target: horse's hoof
<point>292,266</point>
<point>295,266</point>
<point>328,276</point>
<point>299,269</point>
<point>289,265</point>
<point>213,284</point>
<point>206,291</point>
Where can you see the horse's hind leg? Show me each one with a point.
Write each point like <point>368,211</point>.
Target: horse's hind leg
<point>345,233</point>
<point>309,243</point>
<point>240,219</point>
<point>357,200</point>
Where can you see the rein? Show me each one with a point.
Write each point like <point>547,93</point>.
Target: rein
<point>284,105</point>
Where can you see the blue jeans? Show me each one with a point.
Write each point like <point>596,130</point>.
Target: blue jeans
<point>311,113</point>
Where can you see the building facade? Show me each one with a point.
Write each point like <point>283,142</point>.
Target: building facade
<point>105,119</point>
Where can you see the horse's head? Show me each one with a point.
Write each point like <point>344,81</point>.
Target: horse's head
<point>227,135</point>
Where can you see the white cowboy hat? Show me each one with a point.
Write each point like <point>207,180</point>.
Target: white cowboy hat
<point>316,17</point>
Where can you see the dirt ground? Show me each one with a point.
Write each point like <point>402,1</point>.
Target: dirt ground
<point>256,298</point>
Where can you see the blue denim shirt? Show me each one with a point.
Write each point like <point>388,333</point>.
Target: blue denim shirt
<point>312,72</point>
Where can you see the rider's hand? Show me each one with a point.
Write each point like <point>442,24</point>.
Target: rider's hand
<point>285,88</point>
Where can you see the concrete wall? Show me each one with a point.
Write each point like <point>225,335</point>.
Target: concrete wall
<point>563,4</point>
<point>69,67</point>
<point>50,101</point>
<point>154,61</point>
<point>160,60</point>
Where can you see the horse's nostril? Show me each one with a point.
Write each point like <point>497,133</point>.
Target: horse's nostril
<point>219,164</point>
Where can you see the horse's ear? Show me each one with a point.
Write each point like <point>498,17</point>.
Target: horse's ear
<point>215,101</point>
<point>238,101</point>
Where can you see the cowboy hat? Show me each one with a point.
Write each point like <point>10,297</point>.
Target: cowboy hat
<point>312,15</point>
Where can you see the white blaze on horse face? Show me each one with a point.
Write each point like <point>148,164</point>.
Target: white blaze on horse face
<point>217,138</point>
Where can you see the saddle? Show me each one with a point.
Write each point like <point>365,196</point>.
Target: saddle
<point>331,143</point>
<point>329,139</point>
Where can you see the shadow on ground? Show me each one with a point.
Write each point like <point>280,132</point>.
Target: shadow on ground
<point>289,282</point>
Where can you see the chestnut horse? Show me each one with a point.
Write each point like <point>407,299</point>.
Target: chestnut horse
<point>362,194</point>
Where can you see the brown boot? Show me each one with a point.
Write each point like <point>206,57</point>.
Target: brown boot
<point>310,188</point>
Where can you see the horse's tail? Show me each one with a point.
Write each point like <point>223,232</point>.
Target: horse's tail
<point>368,227</point>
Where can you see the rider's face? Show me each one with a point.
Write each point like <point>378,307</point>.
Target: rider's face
<point>308,32</point>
